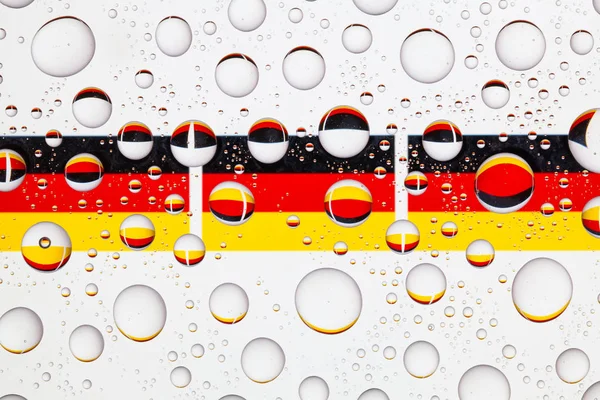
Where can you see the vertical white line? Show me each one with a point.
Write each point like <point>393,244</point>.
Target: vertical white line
<point>191,142</point>
<point>195,200</point>
<point>8,167</point>
<point>330,205</point>
<point>245,205</point>
<point>401,196</point>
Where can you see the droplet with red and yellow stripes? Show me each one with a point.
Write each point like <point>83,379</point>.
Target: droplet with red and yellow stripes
<point>268,140</point>
<point>231,203</point>
<point>348,203</point>
<point>174,204</point>
<point>134,186</point>
<point>92,107</point>
<point>446,188</point>
<point>12,170</point>
<point>84,172</point>
<point>137,232</point>
<point>480,253</point>
<point>584,140</point>
<point>565,205</point>
<point>547,209</point>
<point>340,248</point>
<point>426,283</point>
<point>416,183</point>
<point>504,183</point>
<point>193,143</point>
<point>189,249</point>
<point>380,172</point>
<point>54,138</point>
<point>46,246</point>
<point>134,140</point>
<point>154,172</point>
<point>402,236</point>
<point>449,229</point>
<point>442,140</point>
<point>293,221</point>
<point>344,132</point>
<point>590,217</point>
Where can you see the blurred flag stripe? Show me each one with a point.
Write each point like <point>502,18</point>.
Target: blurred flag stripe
<point>268,231</point>
<point>555,158</point>
<point>547,189</point>
<point>84,229</point>
<point>300,192</point>
<point>60,197</point>
<point>506,232</point>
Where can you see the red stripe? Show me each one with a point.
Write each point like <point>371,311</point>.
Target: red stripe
<point>580,190</point>
<point>480,263</point>
<point>592,225</point>
<point>110,191</point>
<point>348,208</point>
<point>14,163</point>
<point>398,246</point>
<point>343,110</point>
<point>582,118</point>
<point>288,192</point>
<point>47,267</point>
<point>504,180</point>
<point>266,124</point>
<point>231,208</point>
<point>83,167</point>
<point>137,243</point>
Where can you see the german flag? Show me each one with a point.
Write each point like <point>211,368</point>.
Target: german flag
<point>504,189</point>
<point>307,201</point>
<point>53,185</point>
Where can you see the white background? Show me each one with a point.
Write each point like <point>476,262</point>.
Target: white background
<point>129,370</point>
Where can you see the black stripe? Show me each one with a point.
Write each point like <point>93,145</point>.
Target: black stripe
<point>343,120</point>
<point>442,135</point>
<point>504,201</point>
<point>421,186</point>
<point>557,158</point>
<point>231,218</point>
<point>268,135</point>
<point>134,136</point>
<point>14,174</point>
<point>83,177</point>
<point>234,150</point>
<point>88,94</point>
<point>578,132</point>
<point>352,220</point>
<point>231,150</point>
<point>201,140</point>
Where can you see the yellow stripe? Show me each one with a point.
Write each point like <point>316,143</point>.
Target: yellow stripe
<point>504,160</point>
<point>328,331</point>
<point>228,320</point>
<point>592,214</point>
<point>136,233</point>
<point>84,229</point>
<point>543,318</point>
<point>480,258</point>
<point>348,193</point>
<point>231,194</point>
<point>567,235</point>
<point>83,159</point>
<point>268,231</point>
<point>427,299</point>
